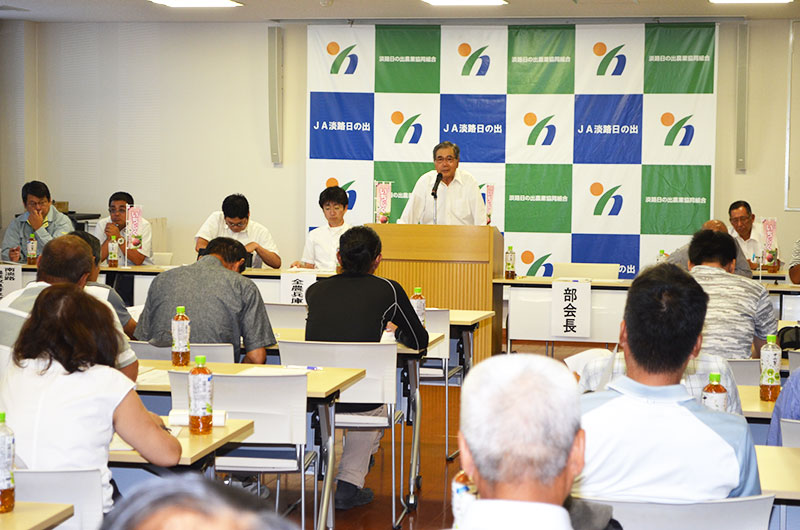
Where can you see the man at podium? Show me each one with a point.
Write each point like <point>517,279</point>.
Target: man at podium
<point>445,195</point>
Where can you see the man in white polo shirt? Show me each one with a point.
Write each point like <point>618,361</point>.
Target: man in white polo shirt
<point>647,438</point>
<point>234,222</point>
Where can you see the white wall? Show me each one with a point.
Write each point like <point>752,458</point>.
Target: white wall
<point>763,183</point>
<point>176,114</point>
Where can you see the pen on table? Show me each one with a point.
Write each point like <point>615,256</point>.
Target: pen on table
<point>297,366</point>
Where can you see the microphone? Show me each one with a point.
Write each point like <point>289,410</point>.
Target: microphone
<point>436,185</point>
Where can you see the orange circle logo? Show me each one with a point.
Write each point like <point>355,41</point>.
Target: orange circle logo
<point>596,189</point>
<point>331,182</point>
<point>530,119</point>
<point>527,257</point>
<point>397,117</point>
<point>599,49</point>
<point>667,119</point>
<point>464,49</point>
<point>333,48</point>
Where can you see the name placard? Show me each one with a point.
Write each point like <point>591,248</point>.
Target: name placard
<point>10,278</point>
<point>294,286</point>
<point>571,308</point>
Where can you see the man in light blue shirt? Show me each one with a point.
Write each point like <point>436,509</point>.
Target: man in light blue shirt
<point>39,219</point>
<point>647,438</point>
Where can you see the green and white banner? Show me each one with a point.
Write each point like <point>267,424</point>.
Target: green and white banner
<point>598,140</point>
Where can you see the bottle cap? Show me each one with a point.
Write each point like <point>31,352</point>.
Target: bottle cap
<point>180,309</point>
<point>33,236</point>
<point>510,248</point>
<point>417,290</point>
<point>200,360</point>
<point>2,417</point>
<point>771,339</point>
<point>113,238</point>
<point>713,377</point>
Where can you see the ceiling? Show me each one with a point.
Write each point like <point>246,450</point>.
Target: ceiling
<point>376,10</point>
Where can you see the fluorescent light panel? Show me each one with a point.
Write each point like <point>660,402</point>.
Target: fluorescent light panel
<point>197,3</point>
<point>466,2</point>
<point>751,1</point>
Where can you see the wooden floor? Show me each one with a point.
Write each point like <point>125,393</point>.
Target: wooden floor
<point>433,508</point>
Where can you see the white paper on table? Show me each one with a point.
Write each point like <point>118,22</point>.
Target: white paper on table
<point>276,370</point>
<point>118,444</point>
<point>579,360</point>
<point>153,377</point>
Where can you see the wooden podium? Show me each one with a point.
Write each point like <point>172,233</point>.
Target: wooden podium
<point>454,265</point>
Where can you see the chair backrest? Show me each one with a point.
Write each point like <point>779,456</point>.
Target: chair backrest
<point>737,513</point>
<point>438,321</point>
<point>276,403</point>
<point>379,359</point>
<point>790,432</point>
<point>746,371</point>
<point>80,487</point>
<point>215,353</point>
<point>595,271</point>
<point>286,315</point>
<point>794,360</point>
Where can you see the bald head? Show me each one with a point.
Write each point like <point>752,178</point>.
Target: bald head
<point>716,225</point>
<point>65,259</point>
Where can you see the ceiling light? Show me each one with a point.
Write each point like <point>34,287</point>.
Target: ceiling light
<point>751,1</point>
<point>197,3</point>
<point>466,2</point>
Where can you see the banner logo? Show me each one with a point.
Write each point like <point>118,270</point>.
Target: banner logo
<point>528,259</point>
<point>668,120</point>
<point>397,119</point>
<point>530,120</point>
<point>465,50</point>
<point>599,49</point>
<point>351,194</point>
<point>596,189</point>
<point>352,64</point>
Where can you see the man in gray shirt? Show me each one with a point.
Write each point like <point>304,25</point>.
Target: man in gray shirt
<point>680,257</point>
<point>223,305</point>
<point>739,314</point>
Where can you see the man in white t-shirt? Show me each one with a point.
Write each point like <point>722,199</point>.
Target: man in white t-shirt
<point>749,240</point>
<point>458,197</point>
<point>140,246</point>
<point>234,222</point>
<point>322,243</point>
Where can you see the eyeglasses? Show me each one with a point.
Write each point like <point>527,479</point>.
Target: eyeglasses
<point>116,210</point>
<point>449,159</point>
<point>240,224</point>
<point>37,204</point>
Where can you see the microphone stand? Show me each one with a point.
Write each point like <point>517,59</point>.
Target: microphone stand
<point>435,195</point>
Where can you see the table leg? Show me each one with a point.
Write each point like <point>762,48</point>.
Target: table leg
<point>468,340</point>
<point>326,418</point>
<point>416,407</point>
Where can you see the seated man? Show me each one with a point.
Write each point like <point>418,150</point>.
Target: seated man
<point>680,256</point>
<point>100,289</point>
<point>740,314</point>
<point>66,259</point>
<point>356,306</point>
<point>39,219</point>
<point>523,469</point>
<point>597,373</point>
<point>749,240</point>
<point>647,438</point>
<point>794,265</point>
<point>222,305</point>
<point>138,252</point>
<point>323,242</point>
<point>234,222</point>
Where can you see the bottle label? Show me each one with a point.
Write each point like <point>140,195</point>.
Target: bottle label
<point>6,461</point>
<point>180,335</point>
<point>463,495</point>
<point>770,366</point>
<point>716,400</point>
<point>200,394</point>
<point>419,307</point>
<point>510,261</point>
<point>31,248</point>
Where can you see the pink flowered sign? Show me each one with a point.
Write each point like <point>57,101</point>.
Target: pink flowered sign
<point>133,221</point>
<point>383,201</point>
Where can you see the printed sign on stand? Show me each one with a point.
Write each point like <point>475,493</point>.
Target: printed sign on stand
<point>571,308</point>
<point>294,286</point>
<point>10,278</point>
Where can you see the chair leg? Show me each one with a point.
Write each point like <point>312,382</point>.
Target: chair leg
<point>446,408</point>
<point>394,485</point>
<point>278,493</point>
<point>316,482</point>
<point>303,488</point>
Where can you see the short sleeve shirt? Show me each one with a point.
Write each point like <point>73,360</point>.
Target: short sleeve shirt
<point>322,243</point>
<point>146,234</point>
<point>215,226</point>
